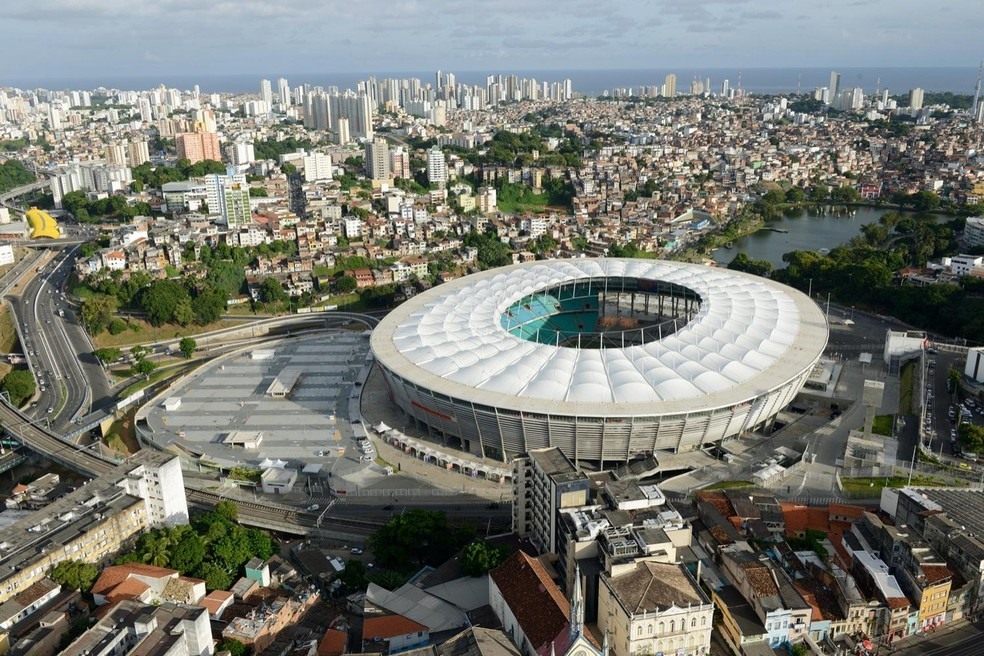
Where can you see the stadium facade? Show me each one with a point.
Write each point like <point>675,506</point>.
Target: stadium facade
<point>603,358</point>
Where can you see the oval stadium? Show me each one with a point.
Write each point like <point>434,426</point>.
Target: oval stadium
<point>603,358</point>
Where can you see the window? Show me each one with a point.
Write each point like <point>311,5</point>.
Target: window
<point>703,620</point>
<point>639,632</point>
<point>672,626</point>
<point>650,629</point>
<point>662,628</point>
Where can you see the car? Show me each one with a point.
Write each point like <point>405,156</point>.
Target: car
<point>356,421</point>
<point>970,457</point>
<point>314,507</point>
<point>356,551</point>
<point>387,507</point>
<point>365,458</point>
<point>50,410</point>
<point>41,387</point>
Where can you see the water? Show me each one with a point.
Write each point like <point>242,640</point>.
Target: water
<point>958,79</point>
<point>806,232</point>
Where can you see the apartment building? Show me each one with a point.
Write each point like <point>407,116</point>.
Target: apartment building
<point>544,482</point>
<point>132,627</point>
<point>93,522</point>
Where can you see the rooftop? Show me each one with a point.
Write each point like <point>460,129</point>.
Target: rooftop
<point>652,587</point>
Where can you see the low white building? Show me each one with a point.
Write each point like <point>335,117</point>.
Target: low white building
<point>274,480</point>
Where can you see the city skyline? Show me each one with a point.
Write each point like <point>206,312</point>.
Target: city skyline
<point>173,37</point>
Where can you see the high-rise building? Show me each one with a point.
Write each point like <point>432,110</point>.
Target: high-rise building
<point>400,163</point>
<point>283,90</point>
<point>138,152</point>
<point>437,170</point>
<point>342,135</point>
<point>834,87</point>
<point>669,86</point>
<point>116,154</point>
<point>378,160</point>
<point>266,92</point>
<point>242,153</point>
<point>916,98</point>
<point>357,108</point>
<point>317,111</point>
<point>228,195</point>
<point>198,146</point>
<point>317,167</point>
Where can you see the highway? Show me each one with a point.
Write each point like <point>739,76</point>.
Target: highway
<point>57,350</point>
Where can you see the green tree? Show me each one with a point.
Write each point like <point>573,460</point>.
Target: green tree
<point>215,577</point>
<point>142,368</point>
<point>234,647</point>
<point>188,551</point>
<point>184,314</point>
<point>228,511</point>
<point>417,537</point>
<point>971,437</point>
<point>74,574</point>
<point>479,557</point>
<point>187,346</point>
<point>161,299</point>
<point>346,284</point>
<point>139,352</point>
<point>98,311</point>
<point>353,577</point>
<point>953,380</point>
<point>741,262</point>
<point>19,384</point>
<point>226,276</point>
<point>271,291</point>
<point>107,355</point>
<point>208,305</point>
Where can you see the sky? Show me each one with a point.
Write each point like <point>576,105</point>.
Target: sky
<point>88,38</point>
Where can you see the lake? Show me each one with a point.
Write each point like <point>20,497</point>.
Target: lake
<point>806,232</point>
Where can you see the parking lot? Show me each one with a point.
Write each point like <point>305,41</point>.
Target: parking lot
<point>944,411</point>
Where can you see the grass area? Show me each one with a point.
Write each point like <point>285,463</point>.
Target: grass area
<point>872,486</point>
<point>907,381</point>
<point>5,368</point>
<point>141,332</point>
<point>383,463</point>
<point>157,376</point>
<point>882,425</point>
<point>8,333</point>
<point>729,485</point>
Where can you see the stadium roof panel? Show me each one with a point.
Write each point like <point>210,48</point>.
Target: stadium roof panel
<point>749,336</point>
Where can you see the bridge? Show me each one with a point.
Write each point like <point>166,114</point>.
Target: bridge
<point>282,519</point>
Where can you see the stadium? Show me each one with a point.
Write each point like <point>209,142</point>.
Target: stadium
<point>604,358</point>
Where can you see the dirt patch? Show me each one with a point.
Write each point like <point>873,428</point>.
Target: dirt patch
<point>123,428</point>
<point>8,333</point>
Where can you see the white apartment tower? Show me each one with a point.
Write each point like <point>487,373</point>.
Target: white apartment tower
<point>378,160</point>
<point>437,170</point>
<point>317,167</point>
<point>266,92</point>
<point>228,196</point>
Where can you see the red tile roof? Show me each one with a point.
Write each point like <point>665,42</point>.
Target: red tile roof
<point>333,644</point>
<point>534,599</point>
<point>389,626</point>
<point>128,589</point>
<point>113,576</point>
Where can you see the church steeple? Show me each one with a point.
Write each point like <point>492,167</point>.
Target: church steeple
<point>577,606</point>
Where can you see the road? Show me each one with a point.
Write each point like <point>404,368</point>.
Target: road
<point>58,351</point>
<point>965,640</point>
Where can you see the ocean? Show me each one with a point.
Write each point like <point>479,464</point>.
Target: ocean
<point>959,79</point>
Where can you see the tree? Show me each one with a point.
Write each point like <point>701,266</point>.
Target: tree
<point>74,574</point>
<point>139,352</point>
<point>98,311</point>
<point>214,576</point>
<point>271,291</point>
<point>188,551</point>
<point>184,314</point>
<point>953,380</point>
<point>353,577</point>
<point>417,537</point>
<point>161,299</point>
<point>741,262</point>
<point>227,510</point>
<point>108,354</point>
<point>187,346</point>
<point>971,437</point>
<point>234,647</point>
<point>209,305</point>
<point>226,276</point>
<point>346,284</point>
<point>479,557</point>
<point>142,368</point>
<point>20,385</point>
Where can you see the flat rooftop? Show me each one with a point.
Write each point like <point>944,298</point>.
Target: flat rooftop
<point>230,396</point>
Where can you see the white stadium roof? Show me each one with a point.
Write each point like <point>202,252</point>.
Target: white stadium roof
<point>749,336</point>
